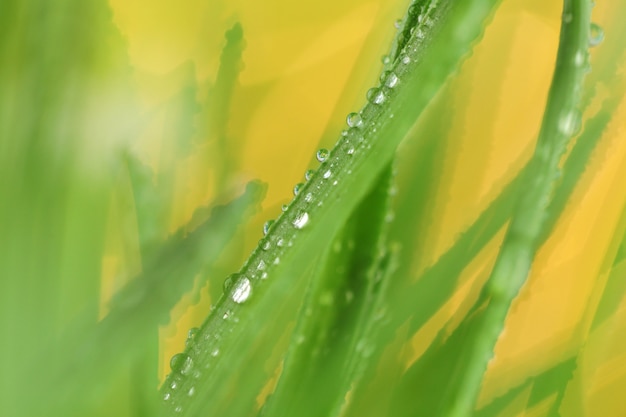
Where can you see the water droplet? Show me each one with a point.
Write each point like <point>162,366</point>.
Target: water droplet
<point>174,385</point>
<point>280,243</point>
<point>178,409</point>
<point>308,197</point>
<point>242,291</point>
<point>297,188</point>
<point>354,120</point>
<point>335,182</point>
<point>398,23</point>
<point>261,265</point>
<point>406,59</point>
<point>309,174</point>
<point>215,352</point>
<point>229,281</point>
<point>226,315</point>
<point>167,396</point>
<point>596,35</point>
<point>301,220</point>
<point>580,58</point>
<point>386,60</point>
<point>327,174</point>
<point>569,123</point>
<point>350,150</point>
<point>567,17</point>
<point>322,154</point>
<point>266,226</point>
<point>375,96</point>
<point>265,244</point>
<point>191,391</point>
<point>392,80</point>
<point>264,275</point>
<point>192,332</point>
<point>284,207</point>
<point>182,363</point>
<point>276,261</point>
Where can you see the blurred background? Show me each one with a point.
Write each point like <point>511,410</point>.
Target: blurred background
<point>123,123</point>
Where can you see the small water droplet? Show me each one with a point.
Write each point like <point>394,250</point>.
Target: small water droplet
<point>264,275</point>
<point>265,244</point>
<point>398,23</point>
<point>182,363</point>
<point>386,60</point>
<point>174,385</point>
<point>276,261</point>
<point>297,188</point>
<point>308,197</point>
<point>580,58</point>
<point>354,120</point>
<point>191,391</point>
<point>569,123</point>
<point>280,243</point>
<point>327,174</point>
<point>229,281</point>
<point>215,352</point>
<point>392,80</point>
<point>375,96</point>
<point>226,315</point>
<point>242,291</point>
<point>284,207</point>
<point>261,265</point>
<point>178,409</point>
<point>596,35</point>
<point>167,396</point>
<point>335,182</point>
<point>301,220</point>
<point>322,154</point>
<point>309,174</point>
<point>350,150</point>
<point>266,226</point>
<point>406,59</point>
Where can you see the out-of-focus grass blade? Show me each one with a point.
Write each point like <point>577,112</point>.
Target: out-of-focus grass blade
<point>88,358</point>
<point>221,149</point>
<point>330,336</point>
<point>245,325</point>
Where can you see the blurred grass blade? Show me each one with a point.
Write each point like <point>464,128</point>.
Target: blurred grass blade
<point>330,336</point>
<point>89,357</point>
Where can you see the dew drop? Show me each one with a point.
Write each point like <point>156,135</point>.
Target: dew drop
<point>375,96</point>
<point>350,150</point>
<point>284,207</point>
<point>276,261</point>
<point>261,265</point>
<point>406,59</point>
<point>596,35</point>
<point>265,244</point>
<point>242,291</point>
<point>392,80</point>
<point>215,352</point>
<point>266,227</point>
<point>327,174</point>
<point>297,187</point>
<point>579,58</point>
<point>398,23</point>
<point>181,363</point>
<point>308,197</point>
<point>178,409</point>
<point>309,174</point>
<point>174,385</point>
<point>191,391</point>
<point>280,243</point>
<point>569,123</point>
<point>386,60</point>
<point>354,120</point>
<point>229,281</point>
<point>301,220</point>
<point>322,154</point>
<point>167,396</point>
<point>264,275</point>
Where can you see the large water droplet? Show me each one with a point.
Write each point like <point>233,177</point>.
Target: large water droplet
<point>596,35</point>
<point>182,363</point>
<point>375,96</point>
<point>242,291</point>
<point>322,154</point>
<point>354,120</point>
<point>301,220</point>
<point>266,227</point>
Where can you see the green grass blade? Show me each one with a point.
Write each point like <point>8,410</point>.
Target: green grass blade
<point>230,340</point>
